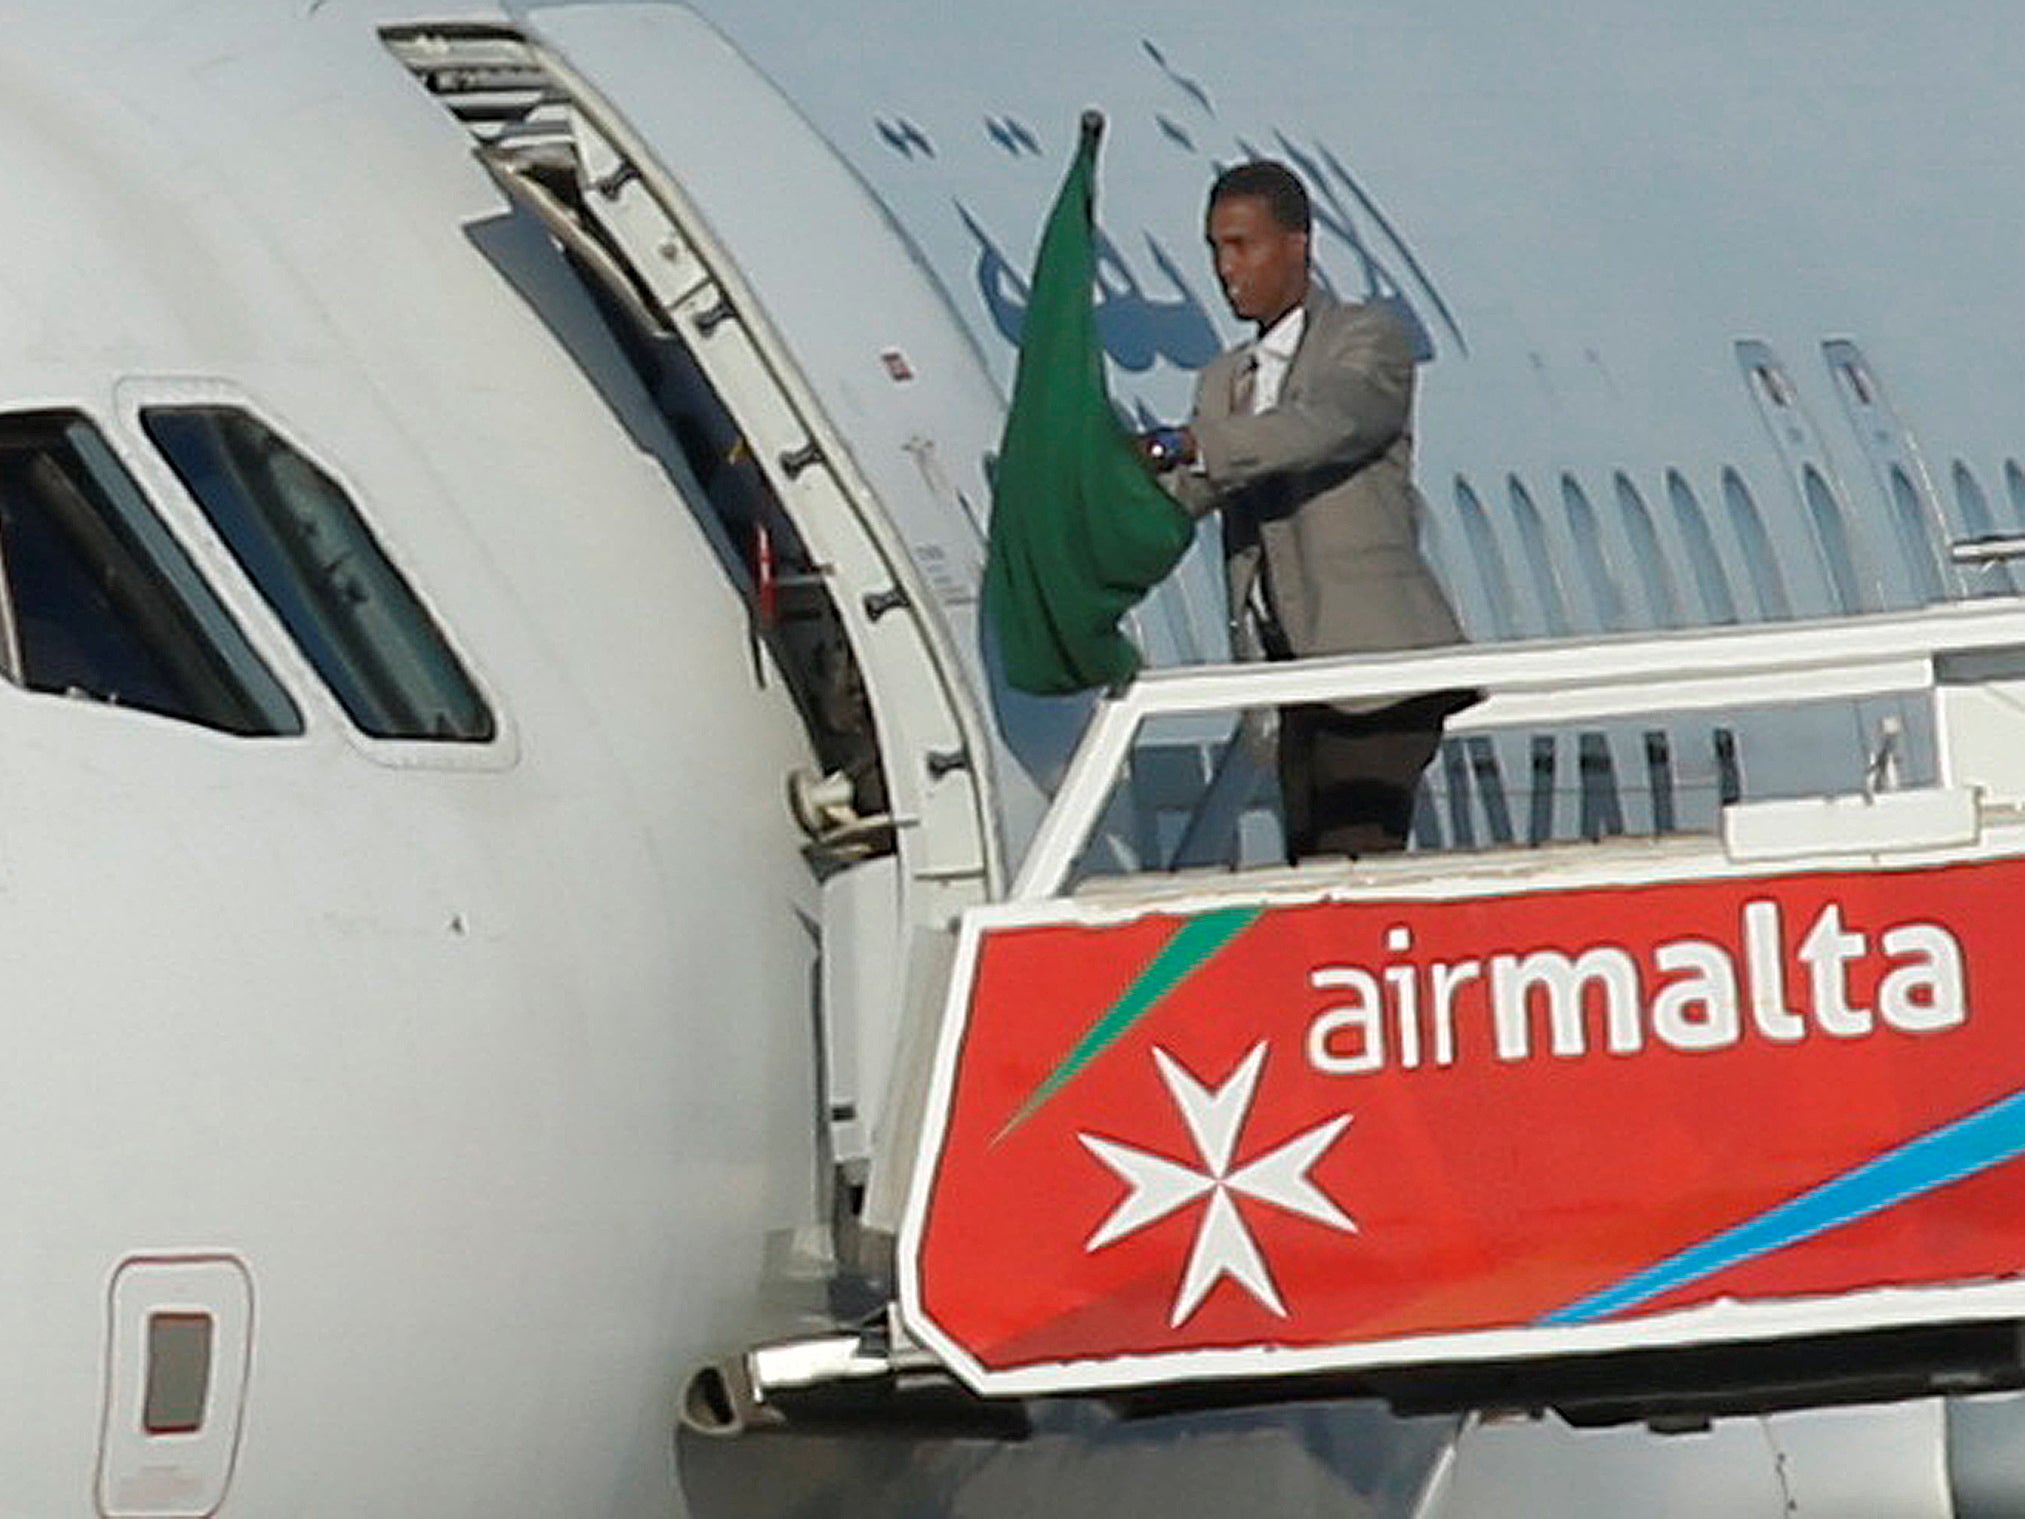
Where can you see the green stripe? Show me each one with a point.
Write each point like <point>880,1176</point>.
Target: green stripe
<point>1193,946</point>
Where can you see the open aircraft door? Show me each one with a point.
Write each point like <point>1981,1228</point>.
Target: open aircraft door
<point>836,418</point>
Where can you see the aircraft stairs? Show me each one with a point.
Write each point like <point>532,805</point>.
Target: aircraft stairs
<point>1636,1126</point>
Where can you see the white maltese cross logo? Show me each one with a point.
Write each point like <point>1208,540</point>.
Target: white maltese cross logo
<point>1223,1243</point>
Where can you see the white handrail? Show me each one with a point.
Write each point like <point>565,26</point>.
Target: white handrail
<point>1559,681</point>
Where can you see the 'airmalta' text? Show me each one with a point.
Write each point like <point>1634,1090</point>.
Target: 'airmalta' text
<point>1687,994</point>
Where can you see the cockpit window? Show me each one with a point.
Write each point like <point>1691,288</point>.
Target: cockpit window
<point>303,543</point>
<point>101,602</point>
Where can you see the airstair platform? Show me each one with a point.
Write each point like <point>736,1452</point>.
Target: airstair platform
<point>1648,1124</point>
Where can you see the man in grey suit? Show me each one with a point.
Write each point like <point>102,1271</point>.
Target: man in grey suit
<point>1303,440</point>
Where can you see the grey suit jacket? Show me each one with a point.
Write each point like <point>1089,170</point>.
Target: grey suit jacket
<point>1317,493</point>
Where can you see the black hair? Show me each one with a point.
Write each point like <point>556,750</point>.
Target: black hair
<point>1272,182</point>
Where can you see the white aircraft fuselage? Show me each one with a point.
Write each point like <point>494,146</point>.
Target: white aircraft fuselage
<point>466,1091</point>
<point>488,1063</point>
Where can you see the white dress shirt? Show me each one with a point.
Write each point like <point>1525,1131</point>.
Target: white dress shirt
<point>1271,355</point>
<point>1266,372</point>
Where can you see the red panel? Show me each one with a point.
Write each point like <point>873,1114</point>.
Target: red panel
<point>1496,1186</point>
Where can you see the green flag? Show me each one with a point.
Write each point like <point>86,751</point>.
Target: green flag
<point>1079,529</point>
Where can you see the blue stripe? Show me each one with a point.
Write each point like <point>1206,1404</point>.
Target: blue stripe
<point>1960,1149</point>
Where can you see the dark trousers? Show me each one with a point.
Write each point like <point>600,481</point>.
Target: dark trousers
<point>1348,779</point>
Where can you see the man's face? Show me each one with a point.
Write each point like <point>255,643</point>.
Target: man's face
<point>1262,266</point>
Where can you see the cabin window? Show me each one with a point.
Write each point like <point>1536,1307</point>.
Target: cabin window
<point>101,601</point>
<point>304,545</point>
<point>179,1372</point>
